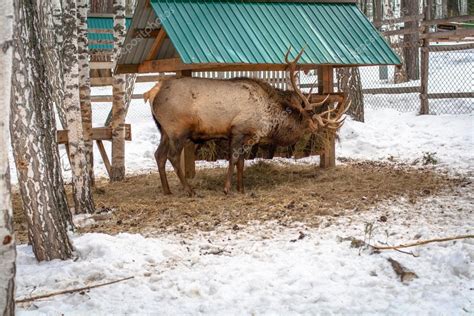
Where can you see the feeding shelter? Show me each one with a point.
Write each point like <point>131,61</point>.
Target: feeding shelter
<point>186,37</point>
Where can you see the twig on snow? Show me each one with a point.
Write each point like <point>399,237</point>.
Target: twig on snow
<point>38,297</point>
<point>422,242</point>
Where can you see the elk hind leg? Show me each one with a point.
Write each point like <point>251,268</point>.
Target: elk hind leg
<point>176,146</point>
<point>161,155</point>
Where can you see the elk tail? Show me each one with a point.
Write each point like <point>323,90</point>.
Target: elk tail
<point>149,96</point>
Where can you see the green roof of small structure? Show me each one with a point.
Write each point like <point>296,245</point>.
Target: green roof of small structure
<point>103,23</point>
<point>260,32</point>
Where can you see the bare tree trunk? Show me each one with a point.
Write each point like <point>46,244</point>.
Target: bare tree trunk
<point>7,240</point>
<point>85,83</point>
<point>348,81</point>
<point>81,183</point>
<point>411,52</point>
<point>33,130</point>
<point>118,107</point>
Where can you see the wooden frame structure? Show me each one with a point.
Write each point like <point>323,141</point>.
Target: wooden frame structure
<point>425,22</point>
<point>160,59</point>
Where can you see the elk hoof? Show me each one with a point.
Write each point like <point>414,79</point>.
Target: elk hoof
<point>226,191</point>
<point>167,193</point>
<point>190,192</point>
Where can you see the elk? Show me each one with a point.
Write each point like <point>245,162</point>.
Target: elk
<point>243,111</point>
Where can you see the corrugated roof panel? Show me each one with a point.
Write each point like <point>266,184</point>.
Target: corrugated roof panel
<point>226,31</point>
<point>105,24</point>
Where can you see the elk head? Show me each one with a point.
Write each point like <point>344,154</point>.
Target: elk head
<point>330,118</point>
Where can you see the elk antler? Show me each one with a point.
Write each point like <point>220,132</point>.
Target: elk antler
<point>292,69</point>
<point>334,123</point>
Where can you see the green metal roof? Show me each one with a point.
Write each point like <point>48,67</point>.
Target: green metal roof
<point>232,31</point>
<point>105,24</point>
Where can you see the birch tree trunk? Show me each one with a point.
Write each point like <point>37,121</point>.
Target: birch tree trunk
<point>117,172</point>
<point>56,74</point>
<point>7,241</point>
<point>33,131</point>
<point>81,184</point>
<point>85,83</point>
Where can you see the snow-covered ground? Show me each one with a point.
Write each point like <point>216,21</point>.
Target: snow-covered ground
<point>267,270</point>
<point>259,270</point>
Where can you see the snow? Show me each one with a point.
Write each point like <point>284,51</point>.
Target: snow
<point>259,270</point>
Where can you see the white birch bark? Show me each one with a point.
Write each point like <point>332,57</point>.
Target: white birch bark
<point>33,132</point>
<point>81,184</point>
<point>56,74</point>
<point>7,240</point>
<point>118,107</point>
<point>85,83</point>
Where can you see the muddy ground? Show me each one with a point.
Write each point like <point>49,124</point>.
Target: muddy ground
<point>285,193</point>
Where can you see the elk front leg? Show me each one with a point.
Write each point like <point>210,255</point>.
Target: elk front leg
<point>176,146</point>
<point>240,174</point>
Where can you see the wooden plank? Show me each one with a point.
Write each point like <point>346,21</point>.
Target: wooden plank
<point>392,90</point>
<point>101,42</point>
<point>156,44</point>
<point>447,48</point>
<point>101,65</point>
<point>401,32</point>
<point>103,154</point>
<point>461,18</point>
<point>452,95</point>
<point>403,19</point>
<point>98,133</point>
<point>461,33</point>
<point>146,33</point>
<point>101,31</point>
<point>108,81</point>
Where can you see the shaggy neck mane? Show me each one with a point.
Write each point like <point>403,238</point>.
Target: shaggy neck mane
<point>281,96</point>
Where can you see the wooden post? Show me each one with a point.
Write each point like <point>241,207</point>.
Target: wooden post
<point>188,159</point>
<point>326,86</point>
<point>425,63</point>
<point>378,17</point>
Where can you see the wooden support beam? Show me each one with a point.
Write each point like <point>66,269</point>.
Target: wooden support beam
<point>325,87</point>
<point>188,164</point>
<point>457,34</point>
<point>101,65</point>
<point>98,133</point>
<point>146,33</point>
<point>156,44</point>
<point>103,154</point>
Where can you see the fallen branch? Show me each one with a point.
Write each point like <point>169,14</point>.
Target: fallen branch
<point>38,297</point>
<point>422,242</point>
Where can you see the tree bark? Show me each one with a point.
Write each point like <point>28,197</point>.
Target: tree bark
<point>118,107</point>
<point>56,74</point>
<point>411,52</point>
<point>7,240</point>
<point>33,130</point>
<point>85,83</point>
<point>81,183</point>
<point>348,81</point>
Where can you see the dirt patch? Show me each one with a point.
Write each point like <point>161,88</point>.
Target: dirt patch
<point>287,194</point>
